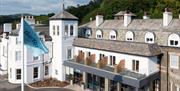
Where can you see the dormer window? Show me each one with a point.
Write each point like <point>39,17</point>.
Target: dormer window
<point>129,36</point>
<point>113,35</point>
<point>174,40</point>
<point>149,37</point>
<point>88,33</point>
<point>71,30</point>
<point>99,34</point>
<point>66,30</point>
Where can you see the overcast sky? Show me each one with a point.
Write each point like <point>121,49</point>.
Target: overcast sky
<point>35,6</point>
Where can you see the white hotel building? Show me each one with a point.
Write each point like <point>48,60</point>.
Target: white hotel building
<point>105,55</point>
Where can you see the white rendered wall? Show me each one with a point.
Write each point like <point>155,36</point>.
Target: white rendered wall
<point>14,64</point>
<point>57,53</point>
<point>3,56</point>
<point>147,65</point>
<point>61,43</point>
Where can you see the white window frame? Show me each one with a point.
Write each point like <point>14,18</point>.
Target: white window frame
<point>18,74</point>
<point>88,33</point>
<point>149,37</point>
<point>58,28</point>
<point>71,30</point>
<point>66,32</point>
<point>99,34</point>
<point>56,72</point>
<point>54,29</point>
<point>4,51</point>
<point>38,73</point>
<point>175,39</point>
<point>35,58</point>
<point>135,66</point>
<point>113,35</point>
<point>129,36</point>
<point>46,71</point>
<point>170,61</point>
<point>18,55</point>
<point>112,60</point>
<point>68,53</point>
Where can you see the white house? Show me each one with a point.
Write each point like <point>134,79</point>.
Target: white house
<point>36,67</point>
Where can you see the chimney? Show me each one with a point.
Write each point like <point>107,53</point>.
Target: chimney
<point>167,17</point>
<point>146,16</point>
<point>127,18</point>
<point>99,20</point>
<point>7,27</point>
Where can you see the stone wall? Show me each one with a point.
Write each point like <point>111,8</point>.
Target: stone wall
<point>168,75</point>
<point>139,35</point>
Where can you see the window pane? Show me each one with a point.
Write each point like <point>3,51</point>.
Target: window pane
<point>69,53</point>
<point>171,42</point>
<point>174,61</point>
<point>18,55</point>
<point>114,60</point>
<point>110,60</point>
<point>66,30</point>
<point>71,32</point>
<point>133,65</point>
<point>18,74</point>
<point>46,70</point>
<point>35,73</point>
<point>137,66</point>
<point>54,28</point>
<point>35,58</point>
<point>176,42</point>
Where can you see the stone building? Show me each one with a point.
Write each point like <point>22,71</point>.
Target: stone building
<point>165,32</point>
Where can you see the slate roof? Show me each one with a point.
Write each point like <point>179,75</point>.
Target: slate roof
<point>137,24</point>
<point>134,48</point>
<point>63,16</point>
<point>43,30</point>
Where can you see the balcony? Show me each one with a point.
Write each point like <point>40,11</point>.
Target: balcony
<point>117,73</point>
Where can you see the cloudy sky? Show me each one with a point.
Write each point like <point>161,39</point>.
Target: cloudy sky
<point>35,6</point>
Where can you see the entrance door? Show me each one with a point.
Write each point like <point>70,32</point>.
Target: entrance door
<point>77,78</point>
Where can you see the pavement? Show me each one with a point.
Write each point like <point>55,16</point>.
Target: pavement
<point>6,86</point>
<point>76,88</point>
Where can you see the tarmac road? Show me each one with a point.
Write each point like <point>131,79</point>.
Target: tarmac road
<point>30,89</point>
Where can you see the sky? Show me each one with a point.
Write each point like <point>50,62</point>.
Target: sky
<point>36,7</point>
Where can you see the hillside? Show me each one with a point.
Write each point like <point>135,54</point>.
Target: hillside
<point>110,7</point>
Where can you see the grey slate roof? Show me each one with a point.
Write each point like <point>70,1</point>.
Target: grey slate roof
<point>43,30</point>
<point>138,24</point>
<point>63,15</point>
<point>133,48</point>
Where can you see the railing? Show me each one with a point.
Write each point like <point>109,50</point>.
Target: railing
<point>102,64</point>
